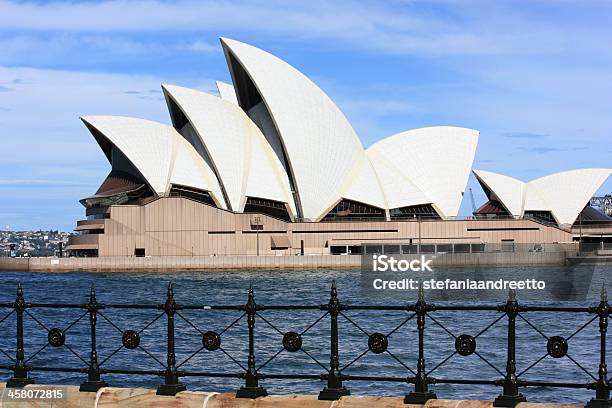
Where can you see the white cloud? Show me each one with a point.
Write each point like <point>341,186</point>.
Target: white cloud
<point>46,152</point>
<point>39,182</point>
<point>454,28</point>
<point>33,48</point>
<point>202,46</point>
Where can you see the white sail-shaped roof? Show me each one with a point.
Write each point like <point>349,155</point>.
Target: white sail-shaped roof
<point>398,189</point>
<point>567,193</point>
<point>508,191</point>
<point>161,155</point>
<point>320,145</point>
<point>227,92</point>
<point>238,151</point>
<point>435,160</point>
<point>563,194</point>
<point>532,199</point>
<point>364,186</point>
<point>276,135</point>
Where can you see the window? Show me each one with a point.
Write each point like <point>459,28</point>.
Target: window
<point>478,247</point>
<point>347,210</point>
<point>139,252</point>
<point>410,249</point>
<point>428,249</point>
<point>507,245</point>
<point>338,249</point>
<point>462,248</point>
<point>373,249</point>
<point>444,248</point>
<point>272,208</point>
<point>194,194</point>
<point>414,211</point>
<point>542,216</point>
<point>392,249</point>
<point>355,249</point>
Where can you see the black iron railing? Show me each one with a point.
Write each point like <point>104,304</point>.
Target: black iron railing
<point>417,374</point>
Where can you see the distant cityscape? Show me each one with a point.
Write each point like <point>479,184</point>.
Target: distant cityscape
<point>32,243</point>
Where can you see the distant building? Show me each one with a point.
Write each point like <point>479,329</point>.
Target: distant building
<point>273,166</point>
<point>604,203</point>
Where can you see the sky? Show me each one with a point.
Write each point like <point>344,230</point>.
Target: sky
<point>534,77</point>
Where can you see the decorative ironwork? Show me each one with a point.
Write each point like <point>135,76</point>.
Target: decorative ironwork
<point>465,345</point>
<point>93,383</point>
<point>377,343</point>
<point>557,347</point>
<point>332,314</point>
<point>421,393</point>
<point>56,337</point>
<point>130,339</point>
<point>292,342</point>
<point>511,395</point>
<point>251,377</point>
<point>211,341</point>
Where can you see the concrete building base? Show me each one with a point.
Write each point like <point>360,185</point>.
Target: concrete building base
<point>264,262</point>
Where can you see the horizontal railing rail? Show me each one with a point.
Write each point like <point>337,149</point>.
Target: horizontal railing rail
<point>252,369</point>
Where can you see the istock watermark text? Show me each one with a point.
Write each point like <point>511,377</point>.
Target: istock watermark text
<point>388,263</point>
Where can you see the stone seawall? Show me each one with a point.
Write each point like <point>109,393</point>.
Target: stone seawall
<point>211,263</point>
<point>110,397</point>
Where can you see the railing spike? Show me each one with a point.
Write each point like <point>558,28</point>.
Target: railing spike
<point>511,295</point>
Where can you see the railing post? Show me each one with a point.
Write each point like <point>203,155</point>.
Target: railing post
<point>334,389</point>
<point>251,388</point>
<point>511,395</point>
<point>602,389</point>
<point>20,373</point>
<point>421,393</point>
<point>93,383</point>
<point>171,385</point>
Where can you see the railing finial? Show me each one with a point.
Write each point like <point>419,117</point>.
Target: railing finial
<point>511,295</point>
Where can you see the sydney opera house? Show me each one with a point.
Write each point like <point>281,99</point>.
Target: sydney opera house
<point>272,166</point>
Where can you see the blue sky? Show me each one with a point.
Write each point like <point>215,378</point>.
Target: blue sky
<point>535,77</point>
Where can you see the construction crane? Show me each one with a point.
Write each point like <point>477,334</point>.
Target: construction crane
<point>473,202</point>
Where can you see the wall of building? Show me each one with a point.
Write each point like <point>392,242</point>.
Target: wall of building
<point>182,227</point>
<point>264,262</point>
